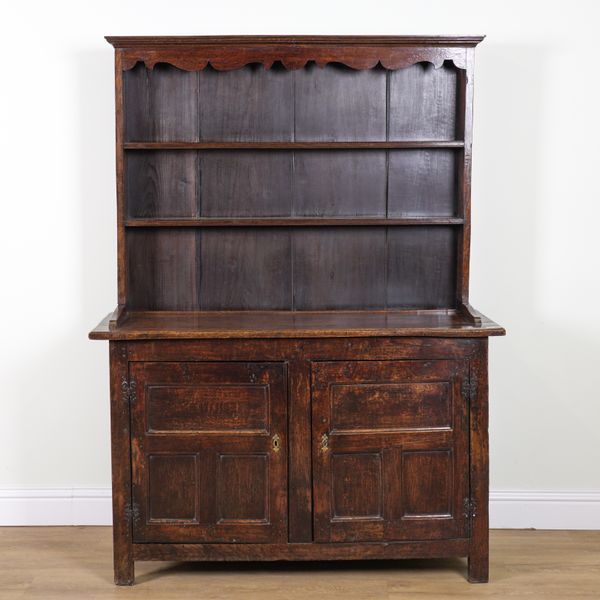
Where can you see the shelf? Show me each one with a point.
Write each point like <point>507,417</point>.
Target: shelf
<point>288,324</point>
<point>292,145</point>
<point>293,222</point>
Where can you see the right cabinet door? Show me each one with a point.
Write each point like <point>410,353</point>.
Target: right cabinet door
<point>390,450</point>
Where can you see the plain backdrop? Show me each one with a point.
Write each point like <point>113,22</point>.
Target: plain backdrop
<point>536,210</point>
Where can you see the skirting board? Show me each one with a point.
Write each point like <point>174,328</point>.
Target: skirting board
<point>508,509</point>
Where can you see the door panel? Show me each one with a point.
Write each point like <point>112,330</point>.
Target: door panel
<point>390,454</point>
<point>209,452</point>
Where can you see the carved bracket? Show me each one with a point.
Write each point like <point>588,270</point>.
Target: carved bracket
<point>292,57</point>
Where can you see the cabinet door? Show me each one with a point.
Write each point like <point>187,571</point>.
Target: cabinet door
<point>390,450</point>
<point>209,452</point>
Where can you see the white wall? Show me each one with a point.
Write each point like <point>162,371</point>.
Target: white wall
<point>536,251</point>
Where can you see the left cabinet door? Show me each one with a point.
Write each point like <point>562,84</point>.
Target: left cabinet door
<point>209,452</point>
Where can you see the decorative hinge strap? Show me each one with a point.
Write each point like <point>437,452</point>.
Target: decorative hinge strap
<point>132,513</point>
<point>128,390</point>
<point>469,510</point>
<point>469,388</point>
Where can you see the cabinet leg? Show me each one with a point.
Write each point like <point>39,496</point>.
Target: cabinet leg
<point>124,569</point>
<point>478,570</point>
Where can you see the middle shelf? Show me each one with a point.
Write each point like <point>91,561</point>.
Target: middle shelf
<point>292,222</point>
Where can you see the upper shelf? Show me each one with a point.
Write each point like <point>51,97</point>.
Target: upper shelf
<point>409,144</point>
<point>227,53</point>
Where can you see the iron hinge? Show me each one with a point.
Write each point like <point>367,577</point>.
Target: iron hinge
<point>469,388</point>
<point>469,511</point>
<point>132,513</point>
<point>128,390</point>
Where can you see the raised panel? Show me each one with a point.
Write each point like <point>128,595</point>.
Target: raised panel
<point>216,408</point>
<point>339,184</point>
<point>390,406</point>
<point>247,104</point>
<point>339,268</point>
<point>245,269</point>
<point>427,477</point>
<point>356,482</point>
<point>205,467</point>
<point>172,487</point>
<point>422,183</point>
<point>336,103</point>
<point>243,487</point>
<point>423,103</point>
<point>160,104</point>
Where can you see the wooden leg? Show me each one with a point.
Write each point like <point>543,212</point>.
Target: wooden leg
<point>124,567</point>
<point>479,548</point>
<point>121,461</point>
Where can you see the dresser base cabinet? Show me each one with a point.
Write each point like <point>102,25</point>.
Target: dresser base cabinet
<point>321,449</point>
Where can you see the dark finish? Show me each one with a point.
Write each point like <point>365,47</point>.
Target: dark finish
<point>296,370</point>
<point>218,481</point>
<point>386,481</point>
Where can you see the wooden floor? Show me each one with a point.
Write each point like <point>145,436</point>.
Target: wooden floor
<point>75,562</point>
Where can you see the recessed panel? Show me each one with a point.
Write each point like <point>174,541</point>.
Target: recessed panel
<point>245,269</point>
<point>427,483</point>
<point>423,103</point>
<point>243,490</point>
<point>247,104</point>
<point>422,183</point>
<point>357,491</point>
<point>172,487</point>
<point>336,103</point>
<point>341,267</point>
<point>339,184</point>
<point>208,408</point>
<point>160,104</point>
<point>161,184</point>
<point>246,184</point>
<point>390,406</point>
<point>421,267</point>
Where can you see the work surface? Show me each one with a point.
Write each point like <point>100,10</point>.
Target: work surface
<point>76,562</point>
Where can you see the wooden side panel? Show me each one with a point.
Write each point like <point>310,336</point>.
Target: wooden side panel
<point>422,183</point>
<point>204,482</point>
<point>341,268</point>
<point>423,103</point>
<point>339,184</point>
<point>335,103</point>
<point>161,104</point>
<point>377,479</point>
<point>246,105</point>
<point>421,263</point>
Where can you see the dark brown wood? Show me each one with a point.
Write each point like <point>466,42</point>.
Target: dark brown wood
<point>271,145</point>
<point>479,466</point>
<point>292,222</point>
<point>296,370</point>
<point>287,324</point>
<point>271,552</point>
<point>121,464</point>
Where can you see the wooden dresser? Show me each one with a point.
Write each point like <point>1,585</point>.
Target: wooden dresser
<point>296,371</point>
